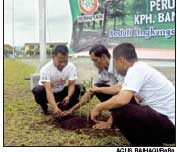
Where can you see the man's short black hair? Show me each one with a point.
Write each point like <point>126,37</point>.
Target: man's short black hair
<point>126,50</point>
<point>99,50</point>
<point>62,49</point>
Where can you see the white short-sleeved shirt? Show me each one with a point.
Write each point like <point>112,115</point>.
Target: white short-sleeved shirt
<point>109,76</point>
<point>49,73</point>
<point>154,88</point>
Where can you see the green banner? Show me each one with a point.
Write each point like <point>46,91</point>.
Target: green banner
<point>145,23</point>
<point>75,10</point>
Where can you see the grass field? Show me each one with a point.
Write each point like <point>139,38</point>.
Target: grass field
<point>25,126</point>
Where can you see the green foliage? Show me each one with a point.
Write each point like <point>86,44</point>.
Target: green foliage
<point>49,51</point>
<point>29,52</point>
<point>8,49</point>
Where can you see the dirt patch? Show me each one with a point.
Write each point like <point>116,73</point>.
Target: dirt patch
<point>75,122</point>
<point>72,122</point>
<point>97,133</point>
<point>80,125</point>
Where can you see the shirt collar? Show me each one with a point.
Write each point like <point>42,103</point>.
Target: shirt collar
<point>111,67</point>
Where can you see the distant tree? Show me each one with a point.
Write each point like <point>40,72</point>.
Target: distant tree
<point>8,49</point>
<point>105,17</point>
<point>116,11</point>
<point>49,51</point>
<point>139,6</point>
<point>36,50</point>
<point>113,9</point>
<point>29,52</point>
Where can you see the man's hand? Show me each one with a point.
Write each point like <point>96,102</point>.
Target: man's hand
<point>95,89</point>
<point>94,114</point>
<point>66,101</point>
<point>67,112</point>
<point>57,113</point>
<point>102,125</point>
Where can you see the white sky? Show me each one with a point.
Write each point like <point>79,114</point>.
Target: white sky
<point>59,21</point>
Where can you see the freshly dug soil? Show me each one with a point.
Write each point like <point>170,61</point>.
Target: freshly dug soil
<point>75,122</point>
<point>80,125</point>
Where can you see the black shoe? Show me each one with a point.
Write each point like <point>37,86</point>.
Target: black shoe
<point>44,109</point>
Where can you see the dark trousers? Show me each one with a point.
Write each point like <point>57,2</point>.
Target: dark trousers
<point>143,126</point>
<point>41,98</point>
<point>102,96</point>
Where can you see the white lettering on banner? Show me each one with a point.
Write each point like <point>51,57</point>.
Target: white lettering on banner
<point>143,19</point>
<point>166,17</point>
<point>160,5</point>
<point>164,13</point>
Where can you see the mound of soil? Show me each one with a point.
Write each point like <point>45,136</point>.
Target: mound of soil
<point>75,122</point>
<point>72,122</point>
<point>80,125</point>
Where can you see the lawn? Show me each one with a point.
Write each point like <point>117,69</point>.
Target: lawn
<point>25,126</point>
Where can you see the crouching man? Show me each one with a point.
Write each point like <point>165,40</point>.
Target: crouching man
<point>107,83</point>
<point>150,123</point>
<point>53,77</point>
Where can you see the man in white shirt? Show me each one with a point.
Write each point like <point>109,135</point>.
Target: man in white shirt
<point>57,83</point>
<point>152,121</point>
<point>107,84</point>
